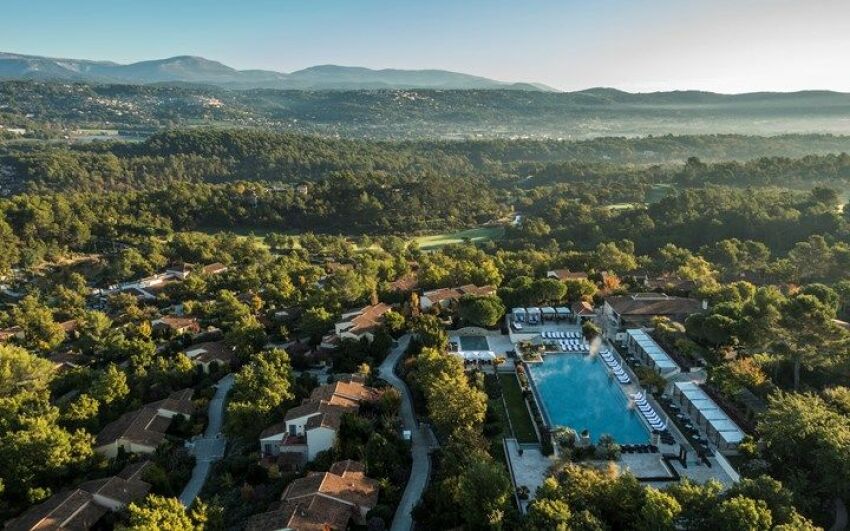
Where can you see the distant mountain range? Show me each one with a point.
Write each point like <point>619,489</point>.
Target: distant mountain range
<point>198,70</point>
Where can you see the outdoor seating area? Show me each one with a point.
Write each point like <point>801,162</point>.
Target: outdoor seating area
<point>566,341</point>
<point>648,352</point>
<point>648,412</point>
<point>639,449</point>
<point>615,367</point>
<point>536,316</point>
<point>699,411</point>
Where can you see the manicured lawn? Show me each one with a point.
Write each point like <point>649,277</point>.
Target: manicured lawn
<point>475,235</point>
<point>520,419</point>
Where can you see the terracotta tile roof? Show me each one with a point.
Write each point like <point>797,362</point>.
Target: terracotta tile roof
<point>74,509</point>
<point>64,360</point>
<point>8,333</point>
<point>566,274</point>
<point>325,420</point>
<point>352,487</point>
<point>177,402</point>
<point>313,513</point>
<point>408,282</point>
<point>274,429</point>
<point>351,390</point>
<point>369,318</point>
<point>142,426</point>
<point>642,304</point>
<point>445,294</point>
<point>214,268</point>
<point>217,351</point>
<point>145,425</point>
<point>314,407</point>
<point>69,326</point>
<point>176,322</point>
<point>583,308</point>
<point>78,508</point>
<point>347,468</point>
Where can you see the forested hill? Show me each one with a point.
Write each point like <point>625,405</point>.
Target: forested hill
<point>48,108</point>
<point>222,156</point>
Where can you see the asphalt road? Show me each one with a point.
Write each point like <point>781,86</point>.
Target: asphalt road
<point>210,448</point>
<point>422,441</point>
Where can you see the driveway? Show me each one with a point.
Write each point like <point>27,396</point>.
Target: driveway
<point>210,448</point>
<point>422,442</point>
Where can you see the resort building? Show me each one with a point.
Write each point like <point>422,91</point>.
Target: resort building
<point>82,507</point>
<point>143,430</point>
<point>205,354</point>
<point>357,324</point>
<point>638,310</point>
<point>583,311</point>
<point>644,348</point>
<point>445,297</point>
<point>322,501</point>
<point>176,325</point>
<point>312,427</point>
<point>721,430</point>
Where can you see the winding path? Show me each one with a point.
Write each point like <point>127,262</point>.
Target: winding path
<point>422,442</point>
<point>210,448</point>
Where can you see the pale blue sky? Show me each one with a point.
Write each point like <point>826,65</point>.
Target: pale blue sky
<point>637,45</point>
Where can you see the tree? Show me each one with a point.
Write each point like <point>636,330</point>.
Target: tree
<point>547,514</point>
<point>159,513</point>
<point>808,443</point>
<point>259,387</point>
<point>394,322</point>
<point>229,310</point>
<point>484,494</point>
<point>41,332</point>
<point>742,514</point>
<point>22,371</point>
<point>110,385</point>
<point>580,289</point>
<point>430,332</point>
<point>316,321</point>
<point>480,311</point>
<point>247,336</point>
<point>808,334</point>
<point>659,512</point>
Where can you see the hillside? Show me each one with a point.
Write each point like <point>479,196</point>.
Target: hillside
<point>190,69</point>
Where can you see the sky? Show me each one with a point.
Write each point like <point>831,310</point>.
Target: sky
<point>635,45</point>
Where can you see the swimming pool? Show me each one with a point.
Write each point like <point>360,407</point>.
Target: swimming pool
<point>575,391</point>
<point>473,343</point>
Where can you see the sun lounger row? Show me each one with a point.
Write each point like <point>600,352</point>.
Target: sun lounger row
<point>648,413</point>
<point>572,346</point>
<point>615,366</point>
<point>639,448</point>
<point>561,335</point>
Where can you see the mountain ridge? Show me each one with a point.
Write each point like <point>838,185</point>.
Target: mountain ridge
<point>196,69</point>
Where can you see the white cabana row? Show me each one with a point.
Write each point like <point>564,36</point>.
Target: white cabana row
<point>644,347</point>
<point>721,429</point>
<point>476,355</point>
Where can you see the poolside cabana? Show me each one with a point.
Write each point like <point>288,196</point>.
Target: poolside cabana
<point>533,315</point>
<point>519,314</point>
<point>649,352</point>
<point>562,312</point>
<point>548,313</point>
<point>722,431</point>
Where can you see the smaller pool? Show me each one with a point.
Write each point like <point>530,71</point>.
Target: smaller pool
<point>473,343</point>
<point>575,391</point>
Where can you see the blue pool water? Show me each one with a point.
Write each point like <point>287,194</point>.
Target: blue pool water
<point>471,343</point>
<point>575,391</point>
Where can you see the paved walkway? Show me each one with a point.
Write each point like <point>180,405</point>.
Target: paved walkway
<point>422,442</point>
<point>210,448</point>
